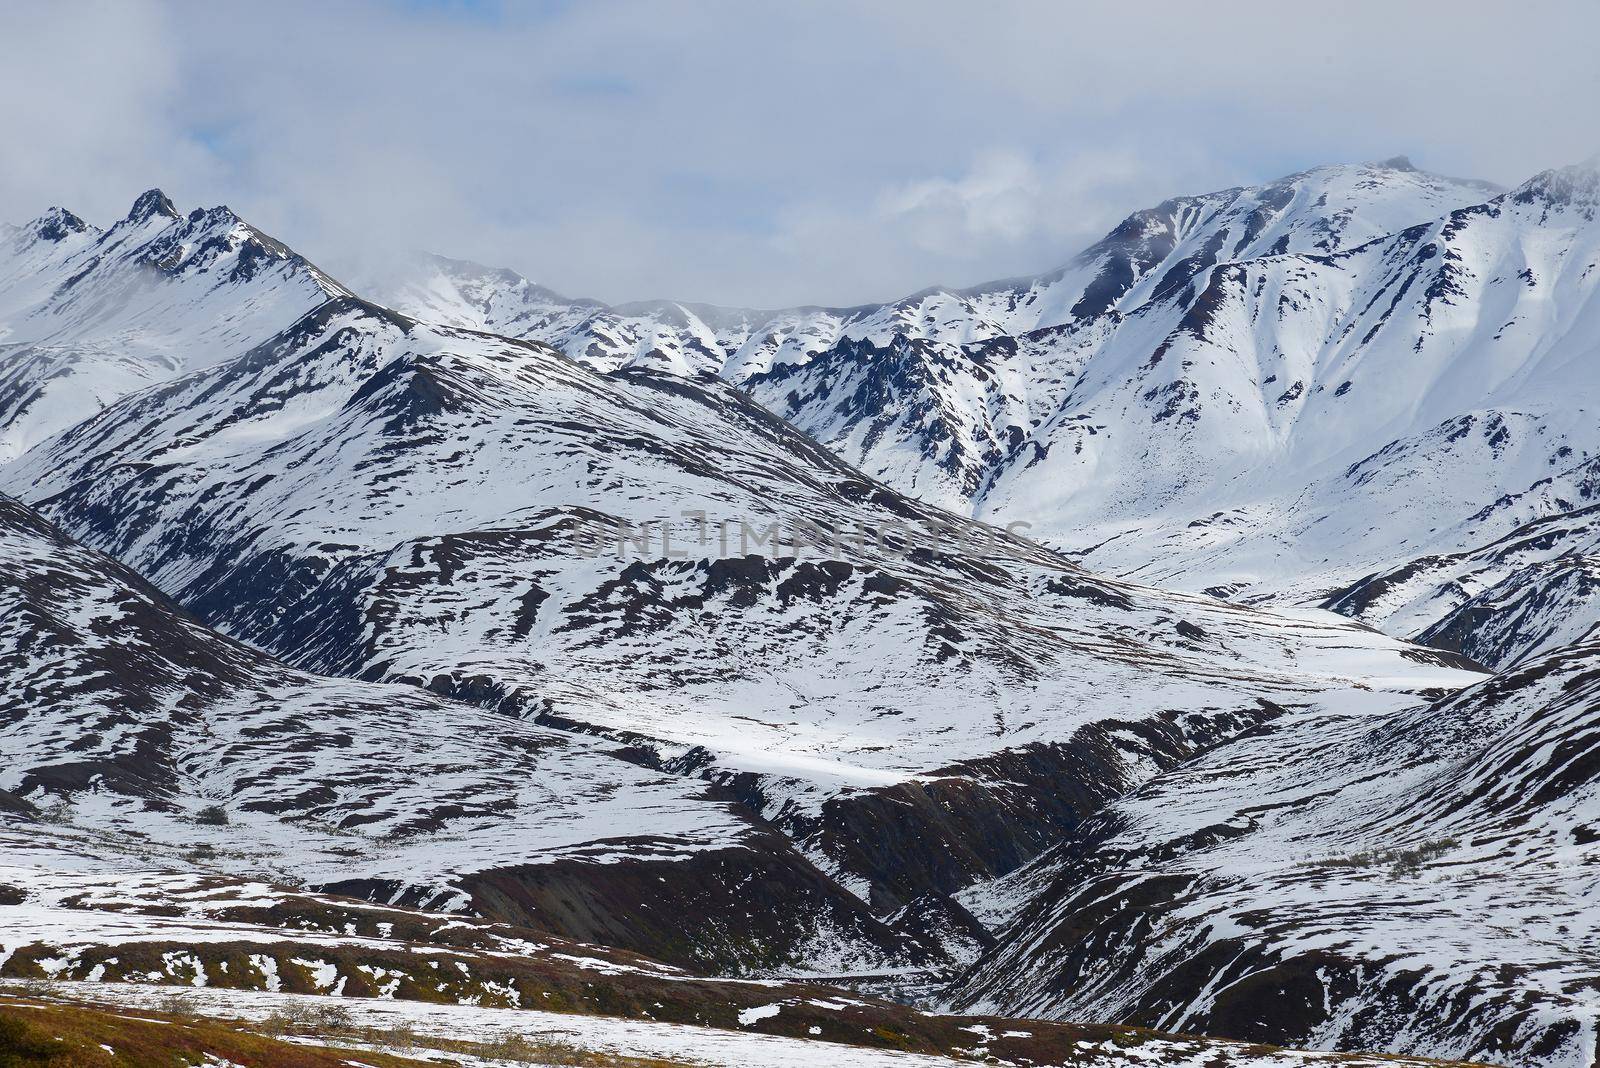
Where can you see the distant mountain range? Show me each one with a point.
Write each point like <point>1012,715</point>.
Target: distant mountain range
<point>1218,396</point>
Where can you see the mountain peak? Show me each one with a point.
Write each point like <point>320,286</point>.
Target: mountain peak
<point>56,225</point>
<point>1398,163</point>
<point>1577,184</point>
<point>151,202</point>
<point>221,215</point>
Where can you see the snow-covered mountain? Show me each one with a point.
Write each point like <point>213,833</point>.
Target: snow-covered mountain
<point>931,392</point>
<point>648,625</point>
<point>1306,417</point>
<point>370,496</point>
<point>1323,210</point>
<point>366,495</point>
<point>121,715</point>
<point>87,315</point>
<point>1227,392</point>
<point>1421,881</point>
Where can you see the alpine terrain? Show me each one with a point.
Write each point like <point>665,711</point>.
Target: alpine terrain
<point>1186,656</point>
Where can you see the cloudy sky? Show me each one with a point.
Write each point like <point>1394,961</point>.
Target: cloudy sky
<point>759,153</point>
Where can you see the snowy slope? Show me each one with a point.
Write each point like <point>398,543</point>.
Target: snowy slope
<point>119,713</point>
<point>1423,880</point>
<point>87,316</point>
<point>1308,416</point>
<point>1520,595</point>
<point>370,496</point>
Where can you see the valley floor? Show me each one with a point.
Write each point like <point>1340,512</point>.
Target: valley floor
<point>252,1025</point>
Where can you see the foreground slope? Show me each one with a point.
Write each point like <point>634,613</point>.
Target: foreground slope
<point>367,495</point>
<point>285,1030</point>
<point>47,1031</point>
<point>119,713</point>
<point>109,920</point>
<point>1425,881</point>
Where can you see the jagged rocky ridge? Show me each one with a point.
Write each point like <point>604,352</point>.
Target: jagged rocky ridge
<point>88,315</point>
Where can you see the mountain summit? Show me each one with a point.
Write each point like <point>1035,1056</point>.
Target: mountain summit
<point>151,204</point>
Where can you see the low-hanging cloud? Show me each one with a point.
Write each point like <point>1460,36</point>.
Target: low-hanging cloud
<point>758,153</point>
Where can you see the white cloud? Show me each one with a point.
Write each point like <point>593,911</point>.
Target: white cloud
<point>759,153</point>
<point>999,199</point>
<point>1005,213</point>
<point>87,89</point>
